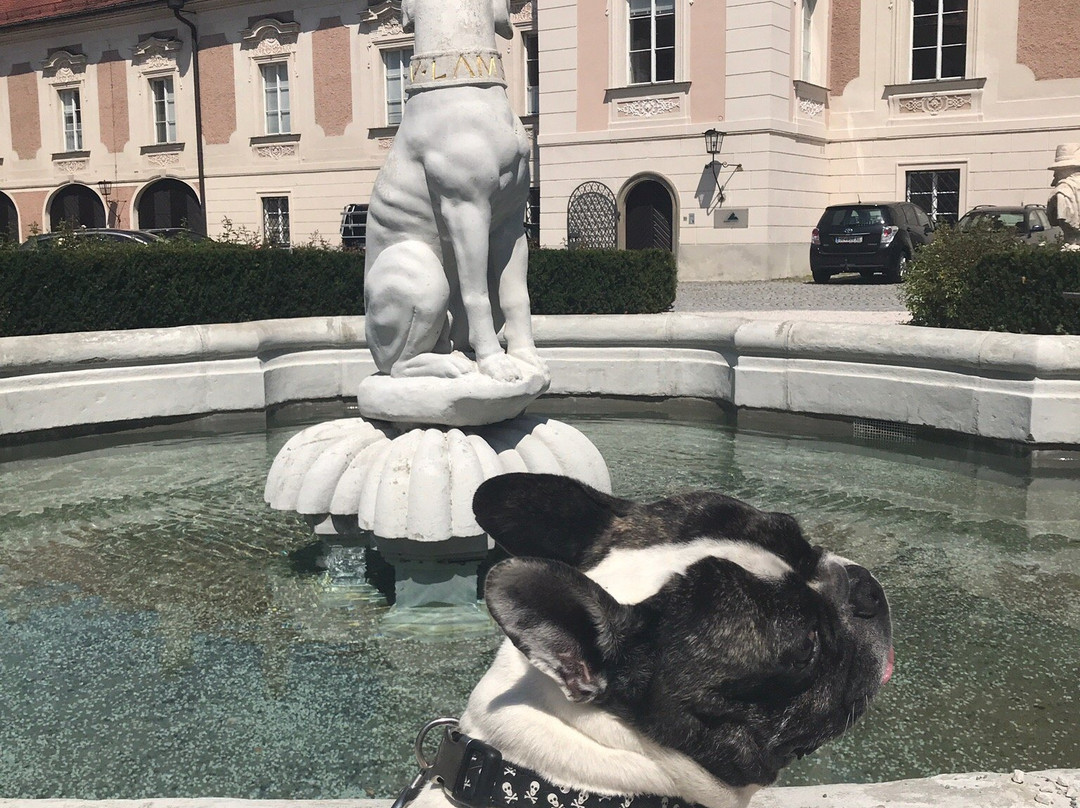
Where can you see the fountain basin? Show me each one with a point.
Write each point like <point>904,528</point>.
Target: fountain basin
<point>1021,388</point>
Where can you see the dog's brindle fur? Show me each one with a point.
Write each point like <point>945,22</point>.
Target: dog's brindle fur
<point>688,648</point>
<point>446,249</point>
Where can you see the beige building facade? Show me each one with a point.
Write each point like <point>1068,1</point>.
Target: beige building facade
<point>948,103</point>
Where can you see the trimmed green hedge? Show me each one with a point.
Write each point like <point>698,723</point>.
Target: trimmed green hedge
<point>985,282</point>
<point>113,286</point>
<point>104,287</point>
<point>601,281</point>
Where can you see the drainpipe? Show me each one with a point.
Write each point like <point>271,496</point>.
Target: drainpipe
<point>176,6</point>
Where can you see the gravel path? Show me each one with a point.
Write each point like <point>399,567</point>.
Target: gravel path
<point>843,300</point>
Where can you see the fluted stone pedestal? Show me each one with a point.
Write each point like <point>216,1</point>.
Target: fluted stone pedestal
<point>406,491</point>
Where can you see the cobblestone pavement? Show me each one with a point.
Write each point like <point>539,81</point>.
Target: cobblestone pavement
<point>853,300</point>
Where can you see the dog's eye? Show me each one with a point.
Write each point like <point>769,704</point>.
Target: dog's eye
<point>805,652</point>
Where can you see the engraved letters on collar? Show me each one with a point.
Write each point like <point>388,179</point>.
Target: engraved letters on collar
<point>480,67</point>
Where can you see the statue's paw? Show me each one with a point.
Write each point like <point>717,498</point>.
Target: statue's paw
<point>530,357</point>
<point>437,365</point>
<point>501,368</point>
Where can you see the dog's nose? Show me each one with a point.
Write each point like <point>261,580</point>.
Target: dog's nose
<point>865,595</point>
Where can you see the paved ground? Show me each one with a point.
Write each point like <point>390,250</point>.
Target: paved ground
<point>843,300</point>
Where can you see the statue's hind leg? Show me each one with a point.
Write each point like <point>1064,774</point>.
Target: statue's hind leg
<point>406,297</point>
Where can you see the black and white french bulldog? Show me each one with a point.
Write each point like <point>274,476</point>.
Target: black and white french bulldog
<point>688,649</point>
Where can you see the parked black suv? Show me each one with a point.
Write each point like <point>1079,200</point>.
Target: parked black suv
<point>1030,223</point>
<point>868,238</point>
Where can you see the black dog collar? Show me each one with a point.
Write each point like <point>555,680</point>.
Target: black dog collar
<point>474,775</point>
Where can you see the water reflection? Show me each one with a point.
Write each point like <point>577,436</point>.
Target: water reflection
<point>163,634</point>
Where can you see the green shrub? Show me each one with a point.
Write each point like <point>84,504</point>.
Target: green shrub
<point>106,286</point>
<point>983,280</point>
<point>92,287</point>
<point>601,281</point>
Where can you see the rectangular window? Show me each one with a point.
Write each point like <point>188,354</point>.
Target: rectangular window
<point>71,110</point>
<point>276,221</point>
<point>652,41</point>
<point>396,63</point>
<point>809,6</point>
<point>161,90</point>
<point>936,192</point>
<point>532,216</point>
<point>938,39</point>
<point>532,74</point>
<point>276,92</point>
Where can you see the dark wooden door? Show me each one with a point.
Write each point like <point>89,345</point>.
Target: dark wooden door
<point>649,212</point>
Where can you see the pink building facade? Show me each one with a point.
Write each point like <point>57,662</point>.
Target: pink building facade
<point>949,103</point>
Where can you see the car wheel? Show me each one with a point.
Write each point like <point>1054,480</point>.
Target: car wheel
<point>897,269</point>
<point>820,275</point>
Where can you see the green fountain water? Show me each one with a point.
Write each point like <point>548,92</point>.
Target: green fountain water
<point>163,634</point>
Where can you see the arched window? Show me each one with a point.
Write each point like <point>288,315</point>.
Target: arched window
<point>170,203</point>
<point>76,206</point>
<point>9,219</point>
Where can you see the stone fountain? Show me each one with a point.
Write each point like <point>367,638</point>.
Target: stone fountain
<point>445,290</point>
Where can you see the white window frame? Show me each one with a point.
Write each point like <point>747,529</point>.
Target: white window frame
<point>813,41</point>
<point>395,80</point>
<point>653,16</point>
<point>278,232</point>
<point>71,122</point>
<point>163,108</point>
<point>969,44</point>
<point>277,101</point>
<point>532,91</point>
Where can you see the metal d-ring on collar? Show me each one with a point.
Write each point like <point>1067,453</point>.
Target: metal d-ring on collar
<point>465,767</point>
<point>473,774</point>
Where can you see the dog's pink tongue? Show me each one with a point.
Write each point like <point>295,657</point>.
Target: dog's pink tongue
<point>887,675</point>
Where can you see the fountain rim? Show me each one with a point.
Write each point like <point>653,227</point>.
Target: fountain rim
<point>1012,387</point>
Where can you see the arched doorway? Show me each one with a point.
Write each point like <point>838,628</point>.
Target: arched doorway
<point>9,219</point>
<point>649,217</point>
<point>170,203</point>
<point>76,206</point>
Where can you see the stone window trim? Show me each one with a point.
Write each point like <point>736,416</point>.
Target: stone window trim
<point>270,37</point>
<point>634,91</point>
<point>64,67</point>
<point>619,39</point>
<point>156,56</point>
<point>381,20</point>
<point>903,24</point>
<point>275,140</point>
<point>161,148</point>
<point>378,132</point>
<point>811,92</point>
<point>70,155</point>
<point>933,85</point>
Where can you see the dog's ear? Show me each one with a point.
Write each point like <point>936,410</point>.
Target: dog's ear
<point>407,15</point>
<point>564,622</point>
<point>502,18</point>
<point>544,515</point>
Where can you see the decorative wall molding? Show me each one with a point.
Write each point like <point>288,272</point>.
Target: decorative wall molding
<point>382,20</point>
<point>648,107</point>
<point>934,104</point>
<point>522,12</point>
<point>63,67</point>
<point>72,167</point>
<point>270,37</point>
<point>156,54</point>
<point>810,108</point>
<point>163,159</point>
<point>276,151</point>
<point>385,143</point>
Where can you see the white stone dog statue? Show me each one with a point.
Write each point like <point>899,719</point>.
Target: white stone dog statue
<point>447,255</point>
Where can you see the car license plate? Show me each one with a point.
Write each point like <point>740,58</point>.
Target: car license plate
<point>848,239</point>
